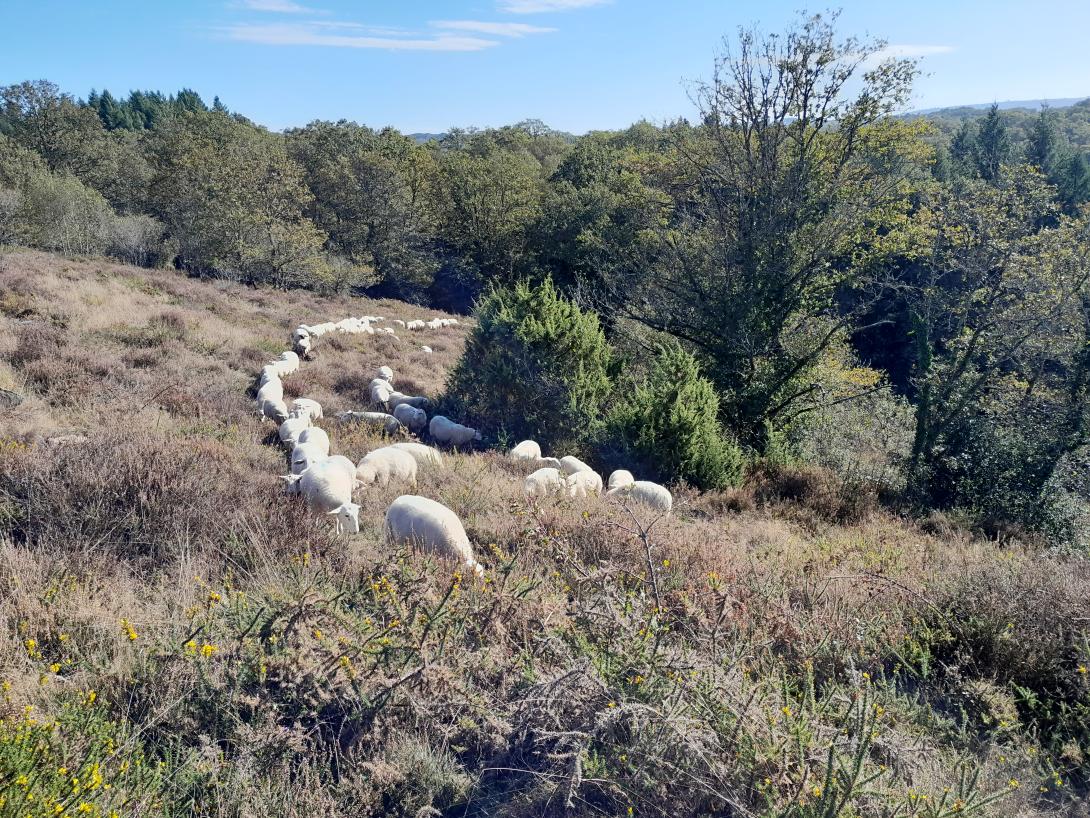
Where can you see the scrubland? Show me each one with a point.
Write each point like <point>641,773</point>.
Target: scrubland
<point>177,637</point>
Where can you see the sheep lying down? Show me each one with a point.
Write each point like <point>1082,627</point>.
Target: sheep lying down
<point>422,523</point>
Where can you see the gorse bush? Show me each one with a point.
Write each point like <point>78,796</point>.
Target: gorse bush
<point>669,424</point>
<point>536,366</point>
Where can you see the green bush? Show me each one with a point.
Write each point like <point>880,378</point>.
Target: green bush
<point>535,366</point>
<point>669,424</point>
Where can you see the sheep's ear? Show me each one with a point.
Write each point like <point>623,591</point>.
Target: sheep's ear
<point>334,511</point>
<point>288,478</point>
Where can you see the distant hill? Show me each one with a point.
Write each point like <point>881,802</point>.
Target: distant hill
<point>1028,104</point>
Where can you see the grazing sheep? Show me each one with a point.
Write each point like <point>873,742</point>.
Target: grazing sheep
<point>416,324</point>
<point>425,455</point>
<point>644,491</point>
<point>290,430</point>
<point>302,331</point>
<point>315,434</point>
<point>273,390</point>
<point>621,477</point>
<point>386,374</point>
<point>381,390</point>
<point>528,451</point>
<point>386,464</point>
<point>419,522</point>
<point>269,372</point>
<point>540,484</point>
<point>570,465</point>
<point>305,455</point>
<point>547,463</point>
<point>426,349</point>
<point>445,430</point>
<point>415,419</point>
<point>288,362</point>
<point>398,399</point>
<point>274,409</point>
<point>388,423</point>
<point>304,346</point>
<point>306,406</point>
<point>318,330</point>
<point>583,484</point>
<point>327,486</point>
<point>399,322</point>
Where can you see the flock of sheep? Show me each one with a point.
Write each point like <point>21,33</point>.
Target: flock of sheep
<point>327,482</point>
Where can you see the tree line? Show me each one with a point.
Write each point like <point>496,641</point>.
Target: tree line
<point>901,302</point>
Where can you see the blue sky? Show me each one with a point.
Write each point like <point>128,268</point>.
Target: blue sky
<point>426,65</point>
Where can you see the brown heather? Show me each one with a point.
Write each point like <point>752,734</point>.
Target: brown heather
<point>777,649</point>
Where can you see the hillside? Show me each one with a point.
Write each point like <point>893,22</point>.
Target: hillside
<point>180,638</point>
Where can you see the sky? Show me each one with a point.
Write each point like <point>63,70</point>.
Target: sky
<point>578,65</point>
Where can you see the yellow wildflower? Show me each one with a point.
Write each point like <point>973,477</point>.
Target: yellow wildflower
<point>207,650</point>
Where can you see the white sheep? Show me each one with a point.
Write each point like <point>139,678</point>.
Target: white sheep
<point>290,430</point>
<point>273,390</point>
<point>419,522</point>
<point>386,464</point>
<point>621,477</point>
<point>547,463</point>
<point>380,390</point>
<point>274,409</point>
<point>413,418</point>
<point>288,362</point>
<point>304,346</point>
<point>399,322</point>
<point>570,465</point>
<point>386,330</point>
<point>542,483</point>
<point>317,435</point>
<point>528,451</point>
<point>415,324</point>
<point>425,455</point>
<point>302,331</point>
<point>583,484</point>
<point>269,372</point>
<point>388,423</point>
<point>445,430</point>
<point>327,486</point>
<point>386,374</point>
<point>305,455</point>
<point>306,406</point>
<point>644,491</point>
<point>426,349</point>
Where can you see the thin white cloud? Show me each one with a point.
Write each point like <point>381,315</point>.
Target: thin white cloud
<point>494,29</point>
<point>278,6</point>
<point>910,50</point>
<point>544,6</point>
<point>310,34</point>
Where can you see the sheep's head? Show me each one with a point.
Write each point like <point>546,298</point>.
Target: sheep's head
<point>348,518</point>
<point>366,474</point>
<point>291,483</point>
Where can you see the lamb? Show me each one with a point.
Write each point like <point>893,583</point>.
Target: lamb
<point>273,390</point>
<point>570,465</point>
<point>398,398</point>
<point>413,418</point>
<point>274,409</point>
<point>528,451</point>
<point>381,390</point>
<point>306,406</point>
<point>386,374</point>
<point>445,430</point>
<point>328,486</point>
<point>315,435</point>
<point>386,464</point>
<point>419,522</point>
<point>305,455</point>
<point>388,423</point>
<point>290,430</point>
<point>416,324</point>
<point>644,491</point>
<point>425,455</point>
<point>540,484</point>
<point>621,477</point>
<point>583,484</point>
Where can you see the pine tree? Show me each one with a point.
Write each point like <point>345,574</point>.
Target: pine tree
<point>1043,147</point>
<point>1075,182</point>
<point>963,149</point>
<point>993,145</point>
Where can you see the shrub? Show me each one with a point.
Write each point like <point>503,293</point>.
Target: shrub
<point>137,240</point>
<point>64,214</point>
<point>9,214</point>
<point>670,425</point>
<point>535,366</point>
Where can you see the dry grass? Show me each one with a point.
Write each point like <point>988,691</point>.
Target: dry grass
<point>703,664</point>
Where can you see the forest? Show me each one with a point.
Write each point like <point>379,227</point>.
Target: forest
<point>902,300</point>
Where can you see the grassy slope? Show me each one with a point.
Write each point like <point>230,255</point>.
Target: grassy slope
<point>245,661</point>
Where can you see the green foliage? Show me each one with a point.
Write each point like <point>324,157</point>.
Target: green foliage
<point>670,425</point>
<point>535,366</point>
